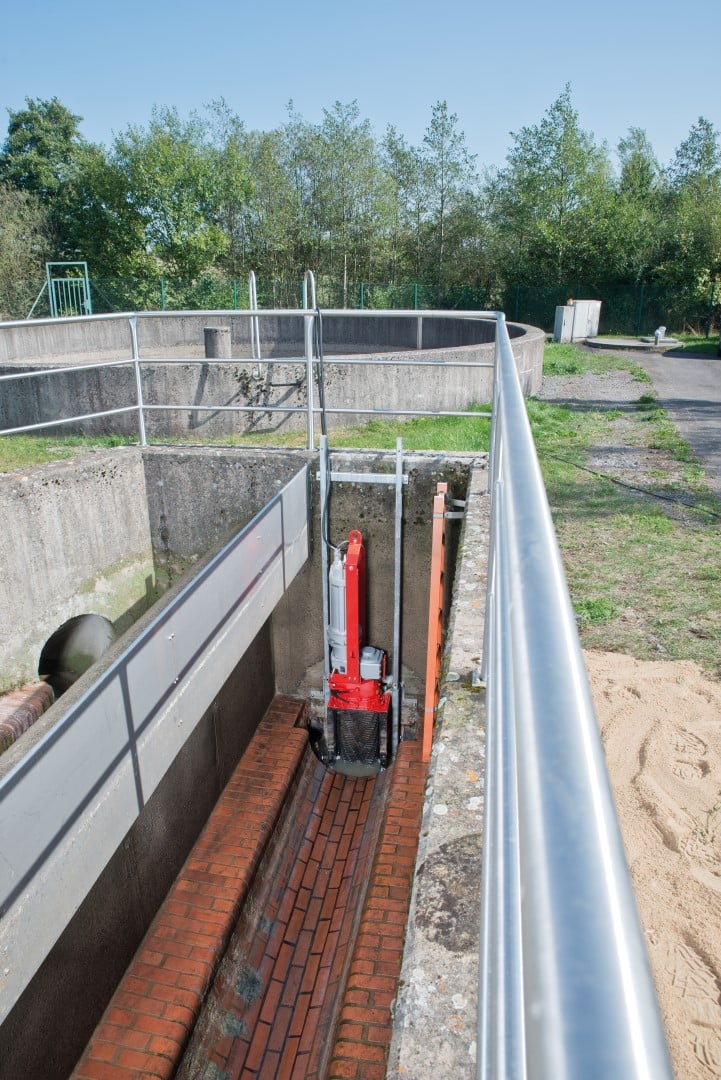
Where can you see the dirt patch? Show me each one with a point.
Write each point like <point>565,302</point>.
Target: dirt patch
<point>660,720</point>
<point>661,727</point>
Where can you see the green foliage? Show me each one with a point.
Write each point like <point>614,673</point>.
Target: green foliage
<point>39,152</point>
<point>200,198</point>
<point>595,609</point>
<point>176,184</point>
<point>549,200</point>
<point>24,246</point>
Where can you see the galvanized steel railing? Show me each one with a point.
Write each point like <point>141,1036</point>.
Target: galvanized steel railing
<point>310,315</point>
<point>565,989</point>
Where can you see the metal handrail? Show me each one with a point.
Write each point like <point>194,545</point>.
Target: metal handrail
<point>565,989</point>
<point>309,314</point>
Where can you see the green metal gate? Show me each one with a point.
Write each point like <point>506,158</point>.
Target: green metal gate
<point>68,291</point>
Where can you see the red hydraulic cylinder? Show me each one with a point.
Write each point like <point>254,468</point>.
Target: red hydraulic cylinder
<point>348,689</point>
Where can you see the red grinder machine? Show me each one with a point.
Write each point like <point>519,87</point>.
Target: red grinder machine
<point>362,698</point>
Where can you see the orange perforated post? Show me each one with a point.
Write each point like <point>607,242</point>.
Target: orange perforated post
<point>435,616</point>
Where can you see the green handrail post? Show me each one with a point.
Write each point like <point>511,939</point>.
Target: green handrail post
<point>162,294</point>
<point>415,297</point>
<point>709,317</point>
<point>639,313</point>
<point>361,303</point>
<point>235,294</point>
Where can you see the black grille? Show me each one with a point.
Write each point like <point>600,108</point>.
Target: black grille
<point>358,735</point>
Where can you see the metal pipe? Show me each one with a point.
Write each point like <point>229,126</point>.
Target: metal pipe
<point>397,674</point>
<point>589,1007</point>
<point>309,286</point>
<point>325,480</point>
<point>68,420</point>
<point>254,324</point>
<point>138,379</point>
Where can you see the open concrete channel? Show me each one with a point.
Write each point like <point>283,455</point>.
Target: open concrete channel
<point>258,914</point>
<point>309,953</point>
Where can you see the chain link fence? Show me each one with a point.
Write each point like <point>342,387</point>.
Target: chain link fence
<point>626,309</point>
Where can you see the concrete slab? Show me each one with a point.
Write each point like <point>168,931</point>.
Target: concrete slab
<point>629,344</point>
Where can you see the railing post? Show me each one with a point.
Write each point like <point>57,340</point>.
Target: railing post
<point>308,327</point>
<point>162,294</point>
<point>709,317</point>
<point>138,381</point>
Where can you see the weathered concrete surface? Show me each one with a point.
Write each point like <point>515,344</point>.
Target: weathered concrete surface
<point>197,496</point>
<point>437,1004</point>
<point>75,539</point>
<point>202,387</point>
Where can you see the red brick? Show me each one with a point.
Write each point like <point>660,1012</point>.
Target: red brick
<point>359,1051</point>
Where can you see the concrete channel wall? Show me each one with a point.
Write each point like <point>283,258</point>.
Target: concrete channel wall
<point>76,539</point>
<point>240,381</point>
<point>192,500</point>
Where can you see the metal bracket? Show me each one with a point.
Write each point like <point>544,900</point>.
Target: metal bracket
<point>363,478</point>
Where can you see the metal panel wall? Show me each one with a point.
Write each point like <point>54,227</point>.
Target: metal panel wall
<point>66,807</point>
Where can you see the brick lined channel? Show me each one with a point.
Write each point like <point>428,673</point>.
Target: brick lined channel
<point>277,951</point>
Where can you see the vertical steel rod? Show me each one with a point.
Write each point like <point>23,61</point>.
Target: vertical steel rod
<point>397,570</point>
<point>138,380</point>
<point>324,475</point>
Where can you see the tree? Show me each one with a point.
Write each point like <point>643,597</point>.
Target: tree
<point>41,147</point>
<point>40,157</point>
<point>341,191</point>
<point>174,182</point>
<point>407,170</point>
<point>698,159</point>
<point>449,173</point>
<point>549,201</point>
<point>23,250</point>
<point>692,212</point>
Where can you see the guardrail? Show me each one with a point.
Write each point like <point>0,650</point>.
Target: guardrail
<point>565,988</point>
<point>312,361</point>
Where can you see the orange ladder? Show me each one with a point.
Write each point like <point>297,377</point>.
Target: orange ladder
<point>435,616</point>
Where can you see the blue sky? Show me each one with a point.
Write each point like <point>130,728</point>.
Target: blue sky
<point>499,66</point>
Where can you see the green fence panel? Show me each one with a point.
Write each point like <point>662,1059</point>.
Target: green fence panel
<point>625,309</point>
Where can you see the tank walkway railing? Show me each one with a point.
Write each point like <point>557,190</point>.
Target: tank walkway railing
<point>312,363</point>
<point>565,989</point>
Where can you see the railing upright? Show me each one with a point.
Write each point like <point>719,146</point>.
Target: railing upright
<point>309,302</point>
<point>138,379</point>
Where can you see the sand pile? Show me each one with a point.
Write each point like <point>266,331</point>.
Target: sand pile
<point>661,727</point>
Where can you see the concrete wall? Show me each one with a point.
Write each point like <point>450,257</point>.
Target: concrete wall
<point>197,496</point>
<point>75,539</point>
<point>195,499</point>
<point>45,398</point>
